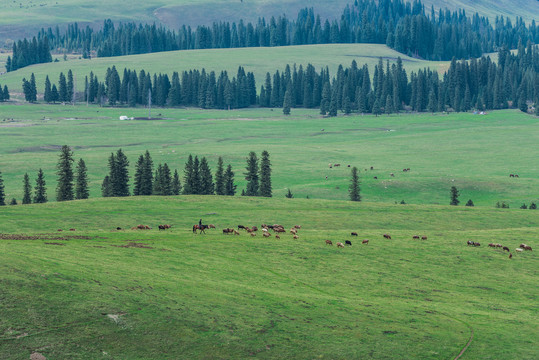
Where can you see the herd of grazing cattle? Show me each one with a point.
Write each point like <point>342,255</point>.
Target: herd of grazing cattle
<point>521,248</point>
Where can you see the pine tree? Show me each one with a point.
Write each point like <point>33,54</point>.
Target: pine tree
<point>265,175</point>
<point>27,198</point>
<point>13,201</point>
<point>470,203</point>
<point>289,194</point>
<point>54,94</point>
<point>454,196</point>
<point>120,180</point>
<point>376,110</point>
<point>389,105</point>
<point>333,103</point>
<point>166,180</point>
<point>196,176</point>
<point>47,92</point>
<point>70,86</point>
<point>64,189</point>
<point>138,179</point>
<point>40,191</point>
<point>252,175</point>
<point>230,188</point>
<point>2,191</point>
<point>533,206</point>
<point>287,102</point>
<point>188,176</point>
<point>158,181</point>
<point>176,184</point>
<point>146,187</point>
<point>326,97</point>
<point>206,179</point>
<point>353,190</point>
<point>81,184</point>
<point>219,178</point>
<point>106,187</point>
<point>62,88</point>
<point>33,88</point>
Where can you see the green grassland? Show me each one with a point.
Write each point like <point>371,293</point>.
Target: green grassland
<point>256,60</point>
<point>473,152</point>
<point>185,296</point>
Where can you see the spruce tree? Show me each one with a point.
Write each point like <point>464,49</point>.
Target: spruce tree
<point>265,175</point>
<point>454,196</point>
<point>207,186</point>
<point>252,175</point>
<point>13,201</point>
<point>230,188</point>
<point>470,203</point>
<point>533,206</point>
<point>147,175</point>
<point>196,176</point>
<point>287,102</point>
<point>289,194</point>
<point>62,88</point>
<point>353,190</point>
<point>166,180</point>
<point>47,92</point>
<point>326,97</point>
<point>188,176</point>
<point>389,105</point>
<point>138,179</point>
<point>120,180</point>
<point>54,94</point>
<point>2,191</point>
<point>333,103</point>
<point>27,189</point>
<point>81,184</point>
<point>106,187</point>
<point>219,178</point>
<point>64,189</point>
<point>176,184</point>
<point>70,86</point>
<point>40,191</point>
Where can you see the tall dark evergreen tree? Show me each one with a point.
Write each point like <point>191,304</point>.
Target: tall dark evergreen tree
<point>120,175</point>
<point>62,88</point>
<point>81,184</point>
<point>27,190</point>
<point>220,178</point>
<point>252,175</point>
<point>106,187</point>
<point>353,190</point>
<point>138,179</point>
<point>454,196</point>
<point>207,186</point>
<point>287,102</point>
<point>188,176</point>
<point>265,175</point>
<point>47,92</point>
<point>40,191</point>
<point>64,170</point>
<point>230,187</point>
<point>2,191</point>
<point>176,184</point>
<point>147,175</point>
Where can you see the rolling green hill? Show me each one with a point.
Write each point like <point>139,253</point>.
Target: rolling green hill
<point>473,152</point>
<point>98,293</point>
<point>257,60</point>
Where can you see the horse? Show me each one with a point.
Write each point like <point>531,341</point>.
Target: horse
<point>198,227</point>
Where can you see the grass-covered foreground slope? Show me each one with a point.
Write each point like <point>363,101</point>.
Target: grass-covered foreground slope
<point>472,152</point>
<point>180,295</point>
<point>257,60</point>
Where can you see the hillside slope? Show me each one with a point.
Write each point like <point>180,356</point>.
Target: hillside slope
<point>257,60</point>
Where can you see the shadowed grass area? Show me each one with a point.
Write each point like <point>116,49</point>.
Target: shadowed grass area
<point>472,152</point>
<point>175,295</point>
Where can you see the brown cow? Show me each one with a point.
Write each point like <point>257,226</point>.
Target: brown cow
<point>293,231</point>
<point>266,234</point>
<point>297,226</point>
<point>415,237</point>
<point>492,245</point>
<point>340,245</point>
<point>353,234</point>
<point>71,229</point>
<point>296,237</point>
<point>277,237</point>
<point>510,256</point>
<point>505,248</point>
<point>236,232</point>
<point>253,234</point>
<point>423,238</point>
<point>329,242</point>
<point>387,236</point>
<point>211,226</point>
<point>366,242</point>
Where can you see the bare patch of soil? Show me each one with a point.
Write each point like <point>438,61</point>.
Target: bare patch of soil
<point>54,243</point>
<point>134,245</point>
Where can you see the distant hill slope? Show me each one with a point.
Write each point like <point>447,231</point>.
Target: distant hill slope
<point>257,60</point>
<point>25,17</point>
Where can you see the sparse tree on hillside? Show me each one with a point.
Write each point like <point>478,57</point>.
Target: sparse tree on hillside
<point>470,203</point>
<point>353,190</point>
<point>454,196</point>
<point>81,184</point>
<point>40,191</point>
<point>64,189</point>
<point>289,194</point>
<point>27,189</point>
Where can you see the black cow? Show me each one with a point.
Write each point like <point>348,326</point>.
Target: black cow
<point>348,242</point>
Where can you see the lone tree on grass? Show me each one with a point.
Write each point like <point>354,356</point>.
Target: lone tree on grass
<point>40,191</point>
<point>64,189</point>
<point>289,194</point>
<point>27,189</point>
<point>454,196</point>
<point>287,102</point>
<point>252,175</point>
<point>353,190</point>
<point>2,192</point>
<point>265,175</point>
<point>81,184</point>
<point>470,203</point>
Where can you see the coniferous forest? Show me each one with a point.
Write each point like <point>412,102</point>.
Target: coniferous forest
<point>407,27</point>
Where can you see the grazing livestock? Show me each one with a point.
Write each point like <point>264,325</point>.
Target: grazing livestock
<point>337,165</point>
<point>505,248</point>
<point>353,234</point>
<point>528,248</point>
<point>253,234</point>
<point>71,229</point>
<point>293,231</point>
<point>297,227</point>
<point>211,226</point>
<point>277,237</point>
<point>60,230</point>
<point>372,167</point>
<point>141,227</point>
<point>499,245</point>
<point>519,249</point>
<point>423,238</point>
<point>387,236</point>
<point>164,227</point>
<point>296,237</point>
<point>470,243</point>
<point>340,245</point>
<point>348,165</point>
<point>266,234</point>
<point>366,242</point>
<point>199,227</point>
<point>415,237</point>
<point>241,227</point>
<point>392,175</point>
<point>329,242</point>
<point>510,256</point>
<point>236,232</point>
<point>229,231</point>
<point>376,177</point>
<point>279,229</point>
<point>476,244</point>
<point>118,228</point>
<point>254,228</point>
<point>348,242</point>
<point>492,245</point>
<point>511,175</point>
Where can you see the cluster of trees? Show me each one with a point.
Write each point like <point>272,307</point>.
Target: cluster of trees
<point>402,25</point>
<point>64,92</point>
<point>4,93</point>
<point>481,84</point>
<point>26,53</point>
<point>191,88</point>
<point>258,176</point>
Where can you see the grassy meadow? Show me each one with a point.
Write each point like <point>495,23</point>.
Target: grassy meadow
<point>473,152</point>
<point>98,293</point>
<point>256,60</point>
